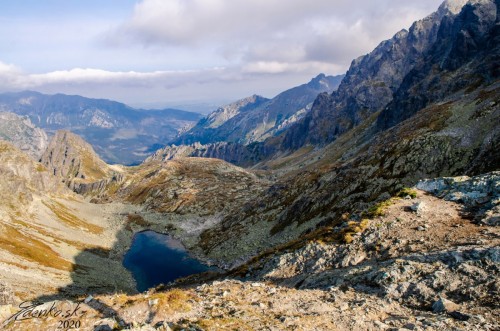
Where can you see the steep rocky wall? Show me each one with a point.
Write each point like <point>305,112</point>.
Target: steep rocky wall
<point>23,134</point>
<point>369,83</point>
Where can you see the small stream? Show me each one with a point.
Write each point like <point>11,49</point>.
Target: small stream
<point>155,258</point>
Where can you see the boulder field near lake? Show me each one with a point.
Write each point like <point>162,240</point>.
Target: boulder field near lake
<point>369,201</point>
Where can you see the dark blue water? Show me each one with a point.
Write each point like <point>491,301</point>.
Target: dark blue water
<point>155,259</point>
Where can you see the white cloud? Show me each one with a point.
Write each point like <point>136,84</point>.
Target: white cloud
<point>11,76</point>
<point>98,76</point>
<point>276,67</point>
<point>292,31</point>
<point>7,69</point>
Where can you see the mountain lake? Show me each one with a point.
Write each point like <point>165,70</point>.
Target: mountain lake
<point>155,259</point>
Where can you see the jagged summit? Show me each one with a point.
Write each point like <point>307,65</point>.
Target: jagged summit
<point>22,176</point>
<point>23,133</point>
<point>452,7</point>
<point>319,82</point>
<point>369,83</point>
<point>71,158</point>
<point>465,52</point>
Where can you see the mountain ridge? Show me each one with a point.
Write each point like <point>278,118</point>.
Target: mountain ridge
<point>249,124</point>
<point>252,120</point>
<point>369,83</point>
<point>119,133</point>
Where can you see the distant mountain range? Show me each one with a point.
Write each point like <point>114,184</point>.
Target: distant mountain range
<point>126,135</point>
<point>225,132</point>
<point>119,133</point>
<point>256,118</point>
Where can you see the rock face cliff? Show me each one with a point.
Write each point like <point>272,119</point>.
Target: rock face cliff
<point>370,82</point>
<point>74,160</point>
<point>465,55</point>
<point>230,152</point>
<point>22,175</point>
<point>23,134</point>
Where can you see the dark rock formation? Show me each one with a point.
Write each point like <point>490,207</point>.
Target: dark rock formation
<point>369,83</point>
<point>466,54</point>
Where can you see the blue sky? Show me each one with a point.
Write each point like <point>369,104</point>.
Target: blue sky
<point>174,52</point>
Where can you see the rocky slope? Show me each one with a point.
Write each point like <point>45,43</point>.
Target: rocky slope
<point>213,128</point>
<point>358,170</point>
<point>119,133</point>
<point>50,238</point>
<point>194,186</point>
<point>23,134</point>
<point>234,153</point>
<point>74,160</point>
<point>417,264</point>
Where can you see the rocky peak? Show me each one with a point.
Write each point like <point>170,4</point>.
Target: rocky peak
<point>368,86</point>
<point>224,113</point>
<point>255,118</point>
<point>463,55</point>
<point>466,36</point>
<point>23,134</point>
<point>369,83</point>
<point>451,7</point>
<point>71,158</point>
<point>22,176</point>
<point>318,81</point>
